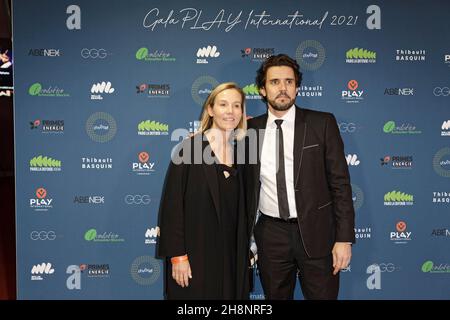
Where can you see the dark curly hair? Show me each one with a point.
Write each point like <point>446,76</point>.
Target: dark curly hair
<point>278,61</point>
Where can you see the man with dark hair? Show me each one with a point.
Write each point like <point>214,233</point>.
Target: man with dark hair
<point>299,191</point>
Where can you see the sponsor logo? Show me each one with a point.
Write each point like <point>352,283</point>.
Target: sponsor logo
<point>94,53</point>
<point>401,235</point>
<point>41,269</point>
<point>310,55</point>
<point>96,163</point>
<point>441,162</point>
<point>92,236</point>
<point>397,162</point>
<point>441,197</point>
<point>100,88</point>
<point>145,270</point>
<point>352,95</point>
<point>360,55</point>
<point>43,163</point>
<point>430,267</point>
<point>207,52</point>
<point>397,198</point>
<point>408,55</point>
<point>390,127</point>
<point>101,127</point>
<point>151,235</point>
<point>137,199</point>
<point>143,54</point>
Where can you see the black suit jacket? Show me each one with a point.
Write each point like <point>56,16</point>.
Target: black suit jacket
<point>323,193</point>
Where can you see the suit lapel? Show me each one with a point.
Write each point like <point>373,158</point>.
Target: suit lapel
<point>299,142</point>
<point>212,180</point>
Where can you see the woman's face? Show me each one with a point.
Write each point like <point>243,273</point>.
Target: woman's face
<point>227,110</point>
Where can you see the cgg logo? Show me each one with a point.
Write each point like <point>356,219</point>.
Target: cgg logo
<point>349,127</point>
<point>137,199</point>
<point>444,91</point>
<point>93,53</point>
<point>43,235</point>
<point>386,267</point>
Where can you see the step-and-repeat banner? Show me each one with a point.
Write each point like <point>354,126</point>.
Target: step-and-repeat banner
<point>105,89</point>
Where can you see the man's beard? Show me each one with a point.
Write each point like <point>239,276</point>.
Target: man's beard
<point>281,106</point>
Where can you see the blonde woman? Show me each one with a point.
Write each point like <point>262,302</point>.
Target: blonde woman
<point>203,225</point>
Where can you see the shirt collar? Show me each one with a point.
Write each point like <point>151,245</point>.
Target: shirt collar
<point>288,118</point>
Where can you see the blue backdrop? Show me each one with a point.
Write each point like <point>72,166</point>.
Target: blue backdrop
<point>102,86</point>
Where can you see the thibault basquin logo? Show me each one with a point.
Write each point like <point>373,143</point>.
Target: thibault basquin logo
<point>43,163</point>
<point>352,160</point>
<point>207,52</point>
<point>48,126</point>
<point>41,202</point>
<point>152,128</point>
<point>410,55</point>
<point>251,92</point>
<point>153,90</point>
<point>310,55</point>
<point>363,232</point>
<point>95,270</point>
<point>100,88</point>
<point>399,91</point>
<point>144,166</point>
<point>257,54</point>
<point>352,95</point>
<point>360,55</point>
<point>151,234</point>
<point>430,267</point>
<point>441,197</point>
<point>145,270</point>
<point>143,54</point>
<point>194,126</point>
<point>101,127</point>
<point>94,163</point>
<point>202,87</point>
<point>89,200</point>
<point>310,91</point>
<point>39,270</point>
<point>391,127</point>
<point>445,129</point>
<point>442,232</point>
<point>45,53</point>
<point>37,90</point>
<point>441,162</point>
<point>397,162</point>
<point>397,198</point>
<point>401,235</point>
<point>92,236</point>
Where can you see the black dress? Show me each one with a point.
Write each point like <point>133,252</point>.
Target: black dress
<point>229,197</point>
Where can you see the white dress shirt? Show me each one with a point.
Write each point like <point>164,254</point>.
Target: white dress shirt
<point>268,199</point>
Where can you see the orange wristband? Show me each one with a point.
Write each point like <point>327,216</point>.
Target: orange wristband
<point>179,259</point>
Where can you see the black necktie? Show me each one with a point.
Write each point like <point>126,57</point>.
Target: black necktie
<point>283,204</point>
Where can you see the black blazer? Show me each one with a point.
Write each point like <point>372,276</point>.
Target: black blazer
<point>190,222</point>
<point>323,193</point>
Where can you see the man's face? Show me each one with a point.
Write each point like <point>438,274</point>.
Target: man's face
<point>280,89</point>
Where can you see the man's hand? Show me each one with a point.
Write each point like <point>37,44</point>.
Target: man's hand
<point>342,252</point>
<point>181,272</point>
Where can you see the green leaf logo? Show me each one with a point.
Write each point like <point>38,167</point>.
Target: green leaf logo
<point>35,89</point>
<point>90,235</point>
<point>357,53</point>
<point>427,266</point>
<point>41,161</point>
<point>152,126</point>
<point>251,89</point>
<point>398,196</point>
<point>141,53</point>
<point>389,126</point>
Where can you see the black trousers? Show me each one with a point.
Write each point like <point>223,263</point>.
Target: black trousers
<point>282,258</point>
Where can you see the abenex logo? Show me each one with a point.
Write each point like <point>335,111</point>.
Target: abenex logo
<point>89,199</point>
<point>45,52</point>
<point>37,90</point>
<point>399,91</point>
<point>43,163</point>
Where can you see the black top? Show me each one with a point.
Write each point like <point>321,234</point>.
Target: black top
<point>229,203</point>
